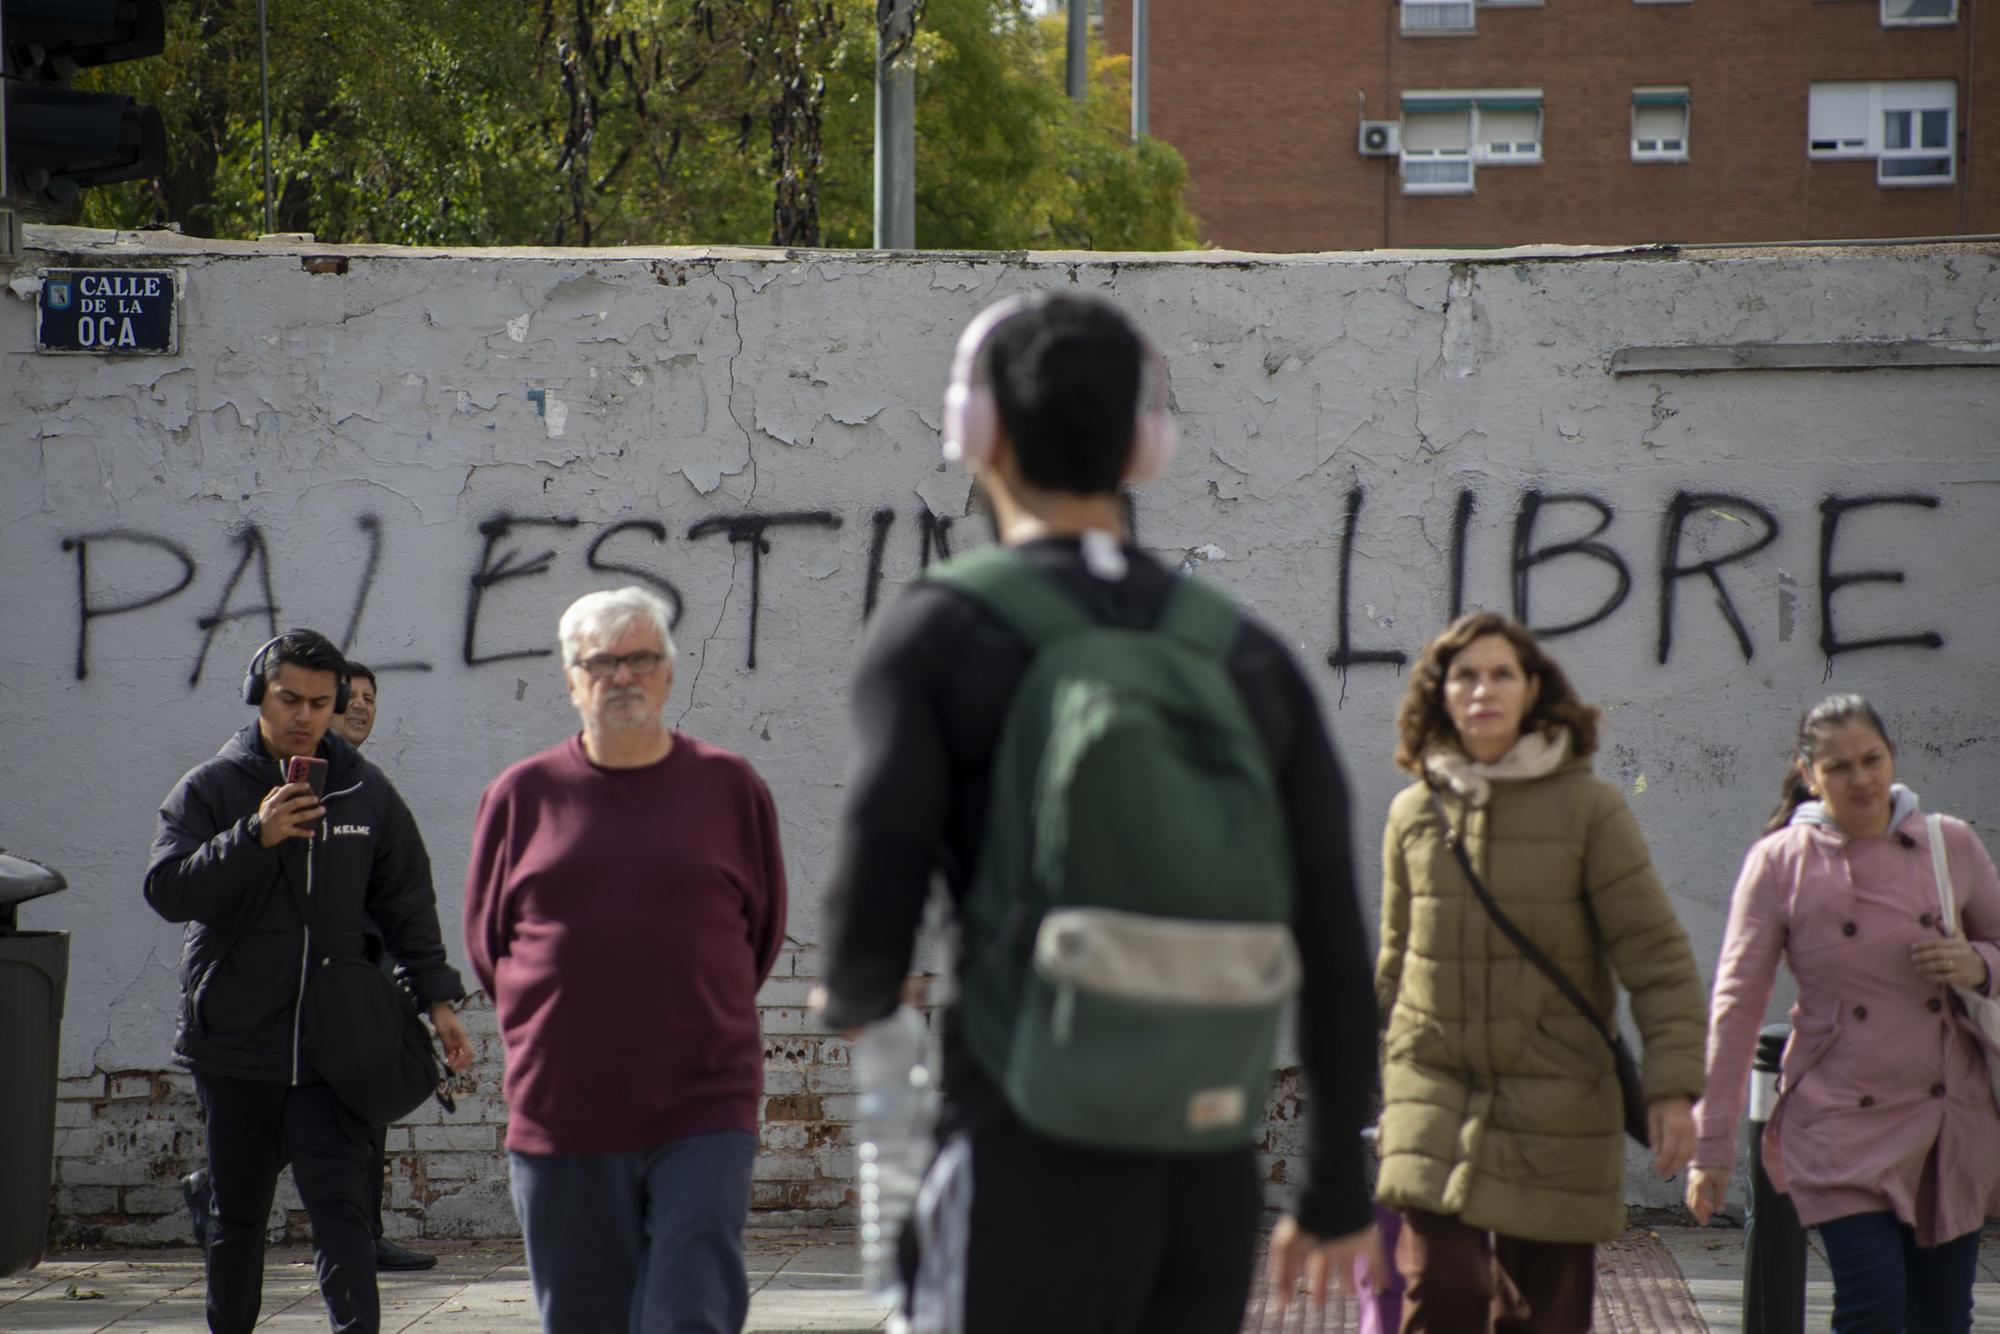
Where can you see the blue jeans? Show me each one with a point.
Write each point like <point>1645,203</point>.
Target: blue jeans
<point>650,1242</point>
<point>1884,1283</point>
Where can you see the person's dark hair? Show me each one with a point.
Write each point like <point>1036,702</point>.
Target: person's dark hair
<point>359,672</point>
<point>305,648</point>
<point>1066,373</point>
<point>1833,711</point>
<point>1421,721</point>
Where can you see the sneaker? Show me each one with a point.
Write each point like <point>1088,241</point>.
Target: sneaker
<point>390,1256</point>
<point>194,1190</point>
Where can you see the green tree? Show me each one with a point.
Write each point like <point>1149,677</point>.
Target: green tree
<point>398,121</point>
<point>1005,160</point>
<point>592,122</point>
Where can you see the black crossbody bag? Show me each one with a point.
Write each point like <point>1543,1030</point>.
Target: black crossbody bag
<point>1621,1054</point>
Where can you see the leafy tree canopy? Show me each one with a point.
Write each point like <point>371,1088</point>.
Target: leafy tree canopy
<point>593,122</point>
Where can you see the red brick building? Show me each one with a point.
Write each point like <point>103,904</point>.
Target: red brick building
<point>1582,121</point>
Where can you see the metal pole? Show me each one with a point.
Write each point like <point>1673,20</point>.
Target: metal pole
<point>1079,48</point>
<point>1774,1243</point>
<point>895,133</point>
<point>1140,59</point>
<point>264,77</point>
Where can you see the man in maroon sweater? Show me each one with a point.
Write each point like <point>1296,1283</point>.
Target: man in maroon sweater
<point>624,901</point>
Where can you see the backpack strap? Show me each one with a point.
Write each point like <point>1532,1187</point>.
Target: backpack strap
<point>1014,590</point>
<point>1202,616</point>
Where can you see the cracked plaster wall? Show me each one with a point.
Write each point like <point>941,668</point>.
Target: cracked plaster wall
<point>435,391</point>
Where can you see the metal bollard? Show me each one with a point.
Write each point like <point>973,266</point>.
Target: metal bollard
<point>1774,1244</point>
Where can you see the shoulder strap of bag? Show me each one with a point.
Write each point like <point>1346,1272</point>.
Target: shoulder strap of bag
<point>1200,616</point>
<point>1528,948</point>
<point>1025,598</point>
<point>1941,872</point>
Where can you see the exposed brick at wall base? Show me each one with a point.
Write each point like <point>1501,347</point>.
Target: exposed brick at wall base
<point>125,1138</point>
<point>1284,1148</point>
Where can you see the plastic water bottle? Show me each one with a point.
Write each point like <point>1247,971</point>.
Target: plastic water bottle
<point>894,1116</point>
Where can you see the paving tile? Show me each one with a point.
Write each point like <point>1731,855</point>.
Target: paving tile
<point>1650,1282</point>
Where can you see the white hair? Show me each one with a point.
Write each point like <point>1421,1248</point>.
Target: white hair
<point>600,617</point>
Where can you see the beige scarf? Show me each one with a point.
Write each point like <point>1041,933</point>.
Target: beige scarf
<point>1535,755</point>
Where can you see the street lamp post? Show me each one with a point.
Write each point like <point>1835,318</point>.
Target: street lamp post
<point>895,128</point>
<point>1140,60</point>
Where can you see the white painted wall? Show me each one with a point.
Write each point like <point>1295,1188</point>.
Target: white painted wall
<point>426,393</point>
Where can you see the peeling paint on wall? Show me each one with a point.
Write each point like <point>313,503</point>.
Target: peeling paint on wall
<point>431,454</point>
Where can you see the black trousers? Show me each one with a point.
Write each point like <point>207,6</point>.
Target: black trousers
<point>378,1171</point>
<point>253,1131</point>
<point>1016,1232</point>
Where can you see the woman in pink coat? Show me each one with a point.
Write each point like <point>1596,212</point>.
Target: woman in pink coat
<point>1886,1132</point>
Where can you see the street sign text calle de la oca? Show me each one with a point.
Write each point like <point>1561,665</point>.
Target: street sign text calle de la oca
<point>107,310</point>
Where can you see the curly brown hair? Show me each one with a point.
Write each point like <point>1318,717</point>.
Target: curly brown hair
<point>1421,720</point>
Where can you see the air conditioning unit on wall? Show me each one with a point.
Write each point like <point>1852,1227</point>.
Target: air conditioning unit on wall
<point>1380,138</point>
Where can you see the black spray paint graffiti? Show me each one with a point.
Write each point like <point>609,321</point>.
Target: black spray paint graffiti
<point>509,565</point>
<point>508,551</point>
<point>1679,509</point>
<point>1528,554</point>
<point>749,530</point>
<point>935,531</point>
<point>1831,509</point>
<point>502,558</point>
<point>87,612</point>
<point>372,527</point>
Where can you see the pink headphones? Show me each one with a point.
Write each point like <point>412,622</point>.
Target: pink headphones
<point>972,417</point>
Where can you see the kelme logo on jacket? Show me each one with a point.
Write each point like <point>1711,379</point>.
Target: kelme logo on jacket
<point>360,829</point>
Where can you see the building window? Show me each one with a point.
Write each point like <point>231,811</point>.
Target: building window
<point>1447,135</point>
<point>1918,13</point>
<point>1916,145</point>
<point>1659,124</point>
<point>1433,18</point>
<point>1908,128</point>
<point>1437,151</point>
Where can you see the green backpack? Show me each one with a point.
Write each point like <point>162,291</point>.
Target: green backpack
<point>1128,937</point>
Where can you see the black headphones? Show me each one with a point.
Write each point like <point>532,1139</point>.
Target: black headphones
<point>254,683</point>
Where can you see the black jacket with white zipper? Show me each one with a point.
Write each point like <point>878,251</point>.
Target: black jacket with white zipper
<point>261,920</point>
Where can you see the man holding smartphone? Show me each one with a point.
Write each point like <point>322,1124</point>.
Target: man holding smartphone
<point>275,878</point>
<point>355,723</point>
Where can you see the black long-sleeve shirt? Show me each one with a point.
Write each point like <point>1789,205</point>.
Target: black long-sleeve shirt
<point>931,696</point>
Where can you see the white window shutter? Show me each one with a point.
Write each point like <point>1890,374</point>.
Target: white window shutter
<point>1838,111</point>
<point>1657,123</point>
<point>1435,131</point>
<point>1510,127</point>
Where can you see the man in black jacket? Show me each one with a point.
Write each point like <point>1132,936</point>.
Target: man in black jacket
<point>274,882</point>
<point>355,722</point>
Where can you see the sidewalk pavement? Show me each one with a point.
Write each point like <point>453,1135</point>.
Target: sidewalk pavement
<point>1650,1281</point>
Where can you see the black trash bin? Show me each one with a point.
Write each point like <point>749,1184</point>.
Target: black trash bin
<point>34,973</point>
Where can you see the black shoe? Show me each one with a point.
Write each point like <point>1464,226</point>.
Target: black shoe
<point>390,1256</point>
<point>194,1189</point>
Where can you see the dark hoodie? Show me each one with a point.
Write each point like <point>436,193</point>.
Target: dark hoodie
<point>261,920</point>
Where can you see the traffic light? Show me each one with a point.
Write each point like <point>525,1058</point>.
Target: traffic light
<point>55,140</point>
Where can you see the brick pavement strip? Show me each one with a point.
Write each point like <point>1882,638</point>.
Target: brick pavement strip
<point>1660,1281</point>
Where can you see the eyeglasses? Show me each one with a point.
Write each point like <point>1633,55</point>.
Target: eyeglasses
<point>602,666</point>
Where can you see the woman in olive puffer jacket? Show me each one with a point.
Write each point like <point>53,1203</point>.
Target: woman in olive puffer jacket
<point>1501,1136</point>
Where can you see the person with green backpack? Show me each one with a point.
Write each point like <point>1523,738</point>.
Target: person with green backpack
<point>1130,796</point>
